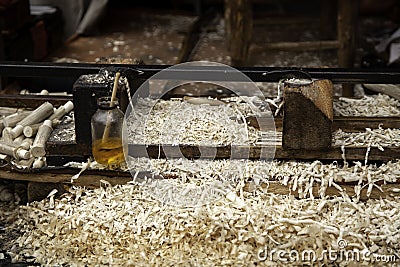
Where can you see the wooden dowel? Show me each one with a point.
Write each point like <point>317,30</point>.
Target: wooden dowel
<point>26,144</point>
<point>61,111</point>
<point>18,141</point>
<point>11,144</point>
<point>107,128</point>
<point>115,87</point>
<point>6,135</point>
<point>39,144</point>
<point>17,131</point>
<point>38,115</point>
<point>44,92</point>
<point>13,119</point>
<point>18,153</point>
<point>31,130</point>
<point>38,163</point>
<point>27,163</point>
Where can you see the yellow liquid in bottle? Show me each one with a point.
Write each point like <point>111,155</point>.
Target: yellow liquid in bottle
<point>109,152</point>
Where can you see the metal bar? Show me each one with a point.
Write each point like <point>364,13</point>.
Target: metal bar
<point>204,73</point>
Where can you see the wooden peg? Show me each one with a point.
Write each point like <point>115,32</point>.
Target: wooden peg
<point>61,111</point>
<point>13,119</point>
<point>39,163</point>
<point>38,115</point>
<point>31,130</point>
<point>26,143</point>
<point>6,135</point>
<point>39,144</point>
<point>16,152</point>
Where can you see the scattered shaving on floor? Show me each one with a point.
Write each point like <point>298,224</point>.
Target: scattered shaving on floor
<point>128,225</point>
<point>179,122</point>
<point>379,138</point>
<point>121,225</point>
<point>368,106</point>
<point>301,177</point>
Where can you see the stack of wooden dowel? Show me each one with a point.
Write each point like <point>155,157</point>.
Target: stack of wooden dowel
<point>24,134</point>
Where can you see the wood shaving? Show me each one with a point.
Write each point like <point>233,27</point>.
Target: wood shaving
<point>176,122</point>
<point>68,129</point>
<point>120,225</point>
<point>84,168</point>
<point>379,138</point>
<point>205,217</point>
<point>368,106</point>
<point>199,182</point>
<point>301,177</point>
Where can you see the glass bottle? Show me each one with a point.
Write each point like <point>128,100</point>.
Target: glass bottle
<point>106,126</point>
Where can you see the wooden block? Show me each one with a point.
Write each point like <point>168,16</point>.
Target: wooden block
<point>308,115</point>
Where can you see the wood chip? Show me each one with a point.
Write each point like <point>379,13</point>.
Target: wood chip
<point>120,225</point>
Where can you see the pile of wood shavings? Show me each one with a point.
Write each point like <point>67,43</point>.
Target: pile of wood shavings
<point>121,226</point>
<point>369,106</point>
<point>177,122</point>
<point>300,177</point>
<point>193,177</point>
<point>371,137</point>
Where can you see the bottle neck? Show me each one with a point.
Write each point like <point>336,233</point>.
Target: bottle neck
<point>105,103</point>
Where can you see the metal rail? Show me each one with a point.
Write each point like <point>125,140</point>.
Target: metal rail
<point>206,73</point>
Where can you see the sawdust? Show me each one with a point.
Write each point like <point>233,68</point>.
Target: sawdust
<point>178,122</point>
<point>120,225</point>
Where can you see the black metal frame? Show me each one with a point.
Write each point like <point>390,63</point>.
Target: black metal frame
<point>256,74</point>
